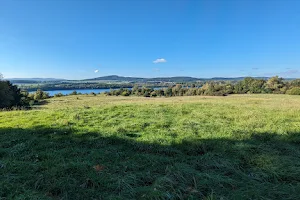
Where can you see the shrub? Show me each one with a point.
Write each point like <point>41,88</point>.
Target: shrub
<point>74,92</point>
<point>146,94</point>
<point>126,93</point>
<point>58,95</point>
<point>153,94</point>
<point>40,94</point>
<point>31,102</point>
<point>294,91</point>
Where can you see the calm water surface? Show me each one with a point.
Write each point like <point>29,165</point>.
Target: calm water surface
<point>83,91</point>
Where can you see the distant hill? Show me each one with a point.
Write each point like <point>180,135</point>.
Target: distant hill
<point>165,79</point>
<point>34,80</point>
<point>116,78</point>
<point>138,79</point>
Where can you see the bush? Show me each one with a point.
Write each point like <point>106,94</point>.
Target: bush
<point>74,92</point>
<point>58,95</point>
<point>153,94</point>
<point>294,91</point>
<point>126,93</point>
<point>40,94</point>
<point>31,102</point>
<point>146,94</point>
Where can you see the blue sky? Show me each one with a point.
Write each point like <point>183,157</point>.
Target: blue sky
<point>208,38</point>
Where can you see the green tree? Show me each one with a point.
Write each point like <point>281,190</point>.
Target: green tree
<point>40,94</point>
<point>153,94</point>
<point>6,96</point>
<point>295,83</point>
<point>10,95</point>
<point>294,91</point>
<point>126,92</point>
<point>168,92</point>
<point>58,95</point>
<point>274,84</point>
<point>176,89</point>
<point>74,92</point>
<point>135,89</point>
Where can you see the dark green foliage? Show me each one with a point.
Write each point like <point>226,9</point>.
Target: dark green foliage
<point>11,95</point>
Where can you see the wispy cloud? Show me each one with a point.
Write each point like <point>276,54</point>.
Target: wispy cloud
<point>288,73</point>
<point>255,68</point>
<point>96,71</point>
<point>159,60</point>
<point>291,72</point>
<point>156,69</point>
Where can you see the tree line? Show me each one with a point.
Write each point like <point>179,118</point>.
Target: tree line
<point>274,85</point>
<point>85,85</point>
<point>12,96</point>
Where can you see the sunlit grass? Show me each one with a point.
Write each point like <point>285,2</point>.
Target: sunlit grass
<point>235,147</point>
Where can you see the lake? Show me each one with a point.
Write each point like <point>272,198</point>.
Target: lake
<point>83,91</point>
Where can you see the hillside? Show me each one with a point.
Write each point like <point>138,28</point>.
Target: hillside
<point>101,147</point>
<point>115,78</point>
<point>33,80</point>
<point>178,79</point>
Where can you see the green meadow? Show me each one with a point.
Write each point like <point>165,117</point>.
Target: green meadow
<point>101,147</point>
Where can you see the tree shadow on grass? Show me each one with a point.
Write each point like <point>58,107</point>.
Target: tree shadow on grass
<point>41,163</point>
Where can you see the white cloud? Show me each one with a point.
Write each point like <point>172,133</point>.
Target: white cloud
<point>159,60</point>
<point>96,71</point>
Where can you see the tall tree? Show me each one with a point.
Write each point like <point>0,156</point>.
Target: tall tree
<point>274,84</point>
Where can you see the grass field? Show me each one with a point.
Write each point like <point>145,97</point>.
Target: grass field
<point>97,147</point>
